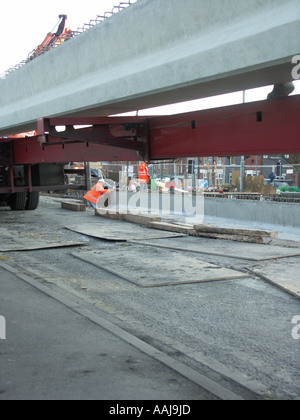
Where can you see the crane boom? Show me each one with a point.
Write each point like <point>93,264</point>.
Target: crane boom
<point>53,39</point>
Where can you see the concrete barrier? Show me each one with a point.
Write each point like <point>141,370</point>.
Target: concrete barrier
<point>286,215</point>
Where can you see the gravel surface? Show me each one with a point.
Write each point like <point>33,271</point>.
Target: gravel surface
<point>237,332</point>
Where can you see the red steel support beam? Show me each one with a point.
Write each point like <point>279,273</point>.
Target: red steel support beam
<point>259,128</point>
<point>30,151</point>
<point>101,139</point>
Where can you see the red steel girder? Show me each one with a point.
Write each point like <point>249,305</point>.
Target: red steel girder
<point>127,133</point>
<point>98,139</point>
<point>30,151</point>
<point>258,128</point>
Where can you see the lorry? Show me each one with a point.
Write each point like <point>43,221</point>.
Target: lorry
<point>20,185</point>
<point>31,163</point>
<point>287,189</point>
<point>281,185</point>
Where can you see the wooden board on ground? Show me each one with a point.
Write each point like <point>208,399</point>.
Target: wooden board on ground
<point>215,232</point>
<point>14,241</point>
<point>235,231</point>
<point>122,232</point>
<point>139,218</point>
<point>254,236</point>
<point>148,267</point>
<point>70,205</point>
<point>170,227</point>
<point>288,280</point>
<point>244,251</point>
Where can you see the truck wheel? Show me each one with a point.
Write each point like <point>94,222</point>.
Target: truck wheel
<point>17,201</point>
<point>32,201</point>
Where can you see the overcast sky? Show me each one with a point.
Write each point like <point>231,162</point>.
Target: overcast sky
<point>25,23</point>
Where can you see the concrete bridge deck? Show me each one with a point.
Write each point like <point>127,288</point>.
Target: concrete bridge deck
<point>155,53</point>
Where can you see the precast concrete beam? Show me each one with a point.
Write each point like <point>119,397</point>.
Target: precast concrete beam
<point>156,52</point>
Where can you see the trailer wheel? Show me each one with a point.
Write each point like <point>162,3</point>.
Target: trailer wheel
<point>17,201</point>
<point>32,201</point>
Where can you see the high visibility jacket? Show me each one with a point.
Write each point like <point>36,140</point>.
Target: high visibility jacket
<point>95,193</point>
<point>143,173</point>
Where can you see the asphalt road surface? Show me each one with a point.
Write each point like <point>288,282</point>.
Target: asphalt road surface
<point>236,333</point>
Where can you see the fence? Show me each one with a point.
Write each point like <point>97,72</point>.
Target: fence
<point>188,177</point>
<point>214,174</point>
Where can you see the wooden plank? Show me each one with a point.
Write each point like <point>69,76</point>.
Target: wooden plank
<point>227,237</point>
<point>186,230</point>
<point>234,231</point>
<point>68,205</point>
<point>140,219</point>
<point>108,214</point>
<point>238,235</point>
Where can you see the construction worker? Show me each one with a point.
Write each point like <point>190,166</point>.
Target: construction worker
<point>143,176</point>
<point>95,193</point>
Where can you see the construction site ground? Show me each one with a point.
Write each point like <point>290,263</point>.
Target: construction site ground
<point>144,314</point>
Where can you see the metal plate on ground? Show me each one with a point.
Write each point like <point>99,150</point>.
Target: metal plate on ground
<point>14,241</point>
<point>288,280</point>
<point>244,251</point>
<point>122,232</point>
<point>148,267</point>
